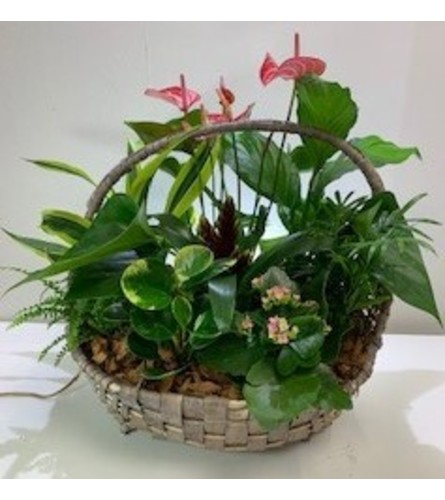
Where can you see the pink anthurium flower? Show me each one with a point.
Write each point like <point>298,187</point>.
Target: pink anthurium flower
<point>179,96</point>
<point>226,99</point>
<point>291,69</point>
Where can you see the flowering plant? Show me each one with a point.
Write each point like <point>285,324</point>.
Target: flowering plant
<point>193,297</point>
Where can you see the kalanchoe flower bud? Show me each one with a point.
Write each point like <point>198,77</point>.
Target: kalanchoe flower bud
<point>279,330</point>
<point>246,324</point>
<point>279,296</point>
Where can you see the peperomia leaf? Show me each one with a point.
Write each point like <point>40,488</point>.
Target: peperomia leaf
<point>148,284</point>
<point>204,331</point>
<point>192,260</point>
<point>153,326</point>
<point>182,311</point>
<point>222,295</point>
<point>65,168</point>
<point>326,106</point>
<point>68,226</point>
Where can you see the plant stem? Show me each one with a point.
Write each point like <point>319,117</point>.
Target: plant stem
<point>260,178</point>
<point>280,152</point>
<point>237,170</point>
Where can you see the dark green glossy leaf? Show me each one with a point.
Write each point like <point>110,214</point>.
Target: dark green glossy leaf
<point>192,260</point>
<point>328,107</point>
<point>182,311</point>
<point>253,149</point>
<point>157,326</point>
<point>148,284</point>
<point>141,347</point>
<point>174,230</point>
<point>65,168</point>
<point>100,279</point>
<point>294,244</point>
<point>308,326</point>
<point>67,226</point>
<point>119,226</point>
<point>222,295</point>
<point>230,354</point>
<point>287,361</point>
<point>204,331</point>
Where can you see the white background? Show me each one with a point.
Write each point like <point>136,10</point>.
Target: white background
<point>66,88</point>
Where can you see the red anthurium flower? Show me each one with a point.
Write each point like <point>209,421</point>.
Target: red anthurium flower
<point>291,69</point>
<point>181,96</point>
<point>226,99</point>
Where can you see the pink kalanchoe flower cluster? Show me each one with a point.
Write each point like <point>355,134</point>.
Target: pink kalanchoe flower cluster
<point>279,296</point>
<point>279,330</point>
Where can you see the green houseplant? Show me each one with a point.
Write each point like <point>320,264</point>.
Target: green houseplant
<point>189,321</point>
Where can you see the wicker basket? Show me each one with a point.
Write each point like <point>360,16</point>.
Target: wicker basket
<point>216,422</point>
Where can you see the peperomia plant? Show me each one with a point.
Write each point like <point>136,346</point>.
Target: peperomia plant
<point>195,289</point>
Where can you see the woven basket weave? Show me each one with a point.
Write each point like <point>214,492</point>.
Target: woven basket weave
<point>216,422</point>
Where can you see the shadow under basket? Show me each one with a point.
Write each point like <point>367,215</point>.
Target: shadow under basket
<point>218,423</point>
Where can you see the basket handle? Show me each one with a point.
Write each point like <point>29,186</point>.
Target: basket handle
<point>367,168</point>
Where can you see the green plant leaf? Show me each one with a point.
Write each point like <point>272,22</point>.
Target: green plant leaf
<point>99,279</point>
<point>158,374</point>
<point>119,226</point>
<point>222,295</point>
<point>274,401</point>
<point>252,150</point>
<point>48,249</point>
<point>328,107</point>
<point>379,151</point>
<point>141,347</point>
<point>151,131</point>
<point>204,331</point>
<point>146,171</point>
<point>68,226</point>
<point>148,284</point>
<point>193,177</point>
<point>65,168</point>
<point>403,272</point>
<point>174,230</point>
<point>287,247</point>
<point>153,326</point>
<point>331,395</point>
<point>192,260</point>
<point>218,267</point>
<point>230,354</point>
<point>287,361</point>
<point>182,311</point>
